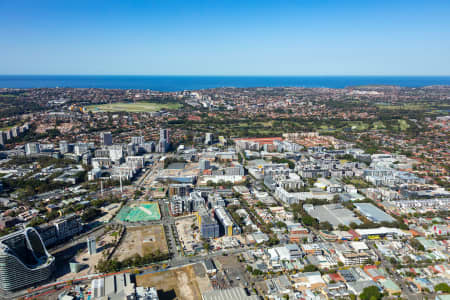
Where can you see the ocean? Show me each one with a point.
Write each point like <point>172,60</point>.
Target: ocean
<point>179,83</point>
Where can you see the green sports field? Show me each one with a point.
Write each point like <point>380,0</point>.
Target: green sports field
<point>141,212</point>
<point>132,107</point>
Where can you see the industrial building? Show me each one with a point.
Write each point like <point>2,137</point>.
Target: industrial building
<point>236,293</point>
<point>335,214</point>
<point>373,213</point>
<point>115,287</point>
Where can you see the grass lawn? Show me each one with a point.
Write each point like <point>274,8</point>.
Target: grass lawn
<point>378,125</point>
<point>359,183</point>
<point>359,125</point>
<point>132,107</point>
<point>8,96</point>
<point>403,125</point>
<point>404,107</point>
<point>8,127</point>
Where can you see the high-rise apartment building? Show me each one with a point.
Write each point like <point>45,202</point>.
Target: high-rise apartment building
<point>24,260</point>
<point>164,140</point>
<point>91,245</point>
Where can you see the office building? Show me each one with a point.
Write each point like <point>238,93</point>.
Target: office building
<point>106,138</point>
<point>24,260</point>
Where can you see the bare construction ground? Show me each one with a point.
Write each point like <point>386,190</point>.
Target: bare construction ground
<point>233,269</point>
<point>103,244</point>
<point>187,235</point>
<point>180,284</point>
<point>142,240</point>
<point>203,281</point>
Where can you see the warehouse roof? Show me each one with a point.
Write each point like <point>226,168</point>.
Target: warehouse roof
<point>236,293</point>
<point>373,213</point>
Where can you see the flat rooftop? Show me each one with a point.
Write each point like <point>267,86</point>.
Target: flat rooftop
<point>335,214</point>
<point>373,213</point>
<point>176,166</point>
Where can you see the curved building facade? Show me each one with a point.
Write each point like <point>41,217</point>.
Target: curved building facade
<point>24,260</point>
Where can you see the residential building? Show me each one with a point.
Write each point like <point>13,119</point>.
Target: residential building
<point>24,260</point>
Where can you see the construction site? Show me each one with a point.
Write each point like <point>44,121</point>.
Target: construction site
<point>142,240</point>
<point>140,212</point>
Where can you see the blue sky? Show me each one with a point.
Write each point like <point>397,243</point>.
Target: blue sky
<point>210,37</point>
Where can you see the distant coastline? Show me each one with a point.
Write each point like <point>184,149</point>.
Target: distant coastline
<point>180,83</point>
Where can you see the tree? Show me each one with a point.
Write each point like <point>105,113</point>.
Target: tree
<point>342,227</point>
<point>442,287</point>
<point>308,220</point>
<point>371,293</point>
<point>310,268</point>
<point>353,225</point>
<point>90,214</point>
<point>36,221</point>
<point>417,245</point>
<point>206,246</point>
<point>280,224</point>
<point>137,194</point>
<point>325,226</point>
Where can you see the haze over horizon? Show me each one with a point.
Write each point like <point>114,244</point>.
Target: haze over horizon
<point>232,38</point>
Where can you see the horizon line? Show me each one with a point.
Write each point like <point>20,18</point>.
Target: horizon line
<point>219,75</point>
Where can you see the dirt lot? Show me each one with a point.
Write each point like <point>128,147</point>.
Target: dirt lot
<point>202,278</point>
<point>180,284</point>
<point>90,261</point>
<point>142,240</point>
<point>188,237</point>
<point>233,269</point>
